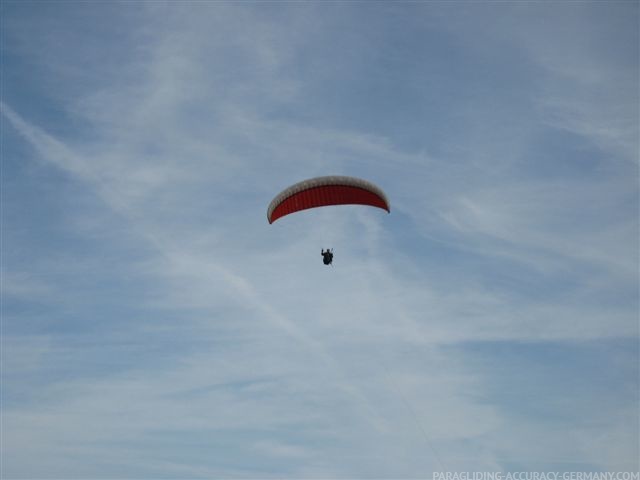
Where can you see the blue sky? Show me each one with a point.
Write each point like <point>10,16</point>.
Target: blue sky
<point>154,325</point>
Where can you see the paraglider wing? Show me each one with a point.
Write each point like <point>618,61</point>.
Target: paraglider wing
<point>324,191</point>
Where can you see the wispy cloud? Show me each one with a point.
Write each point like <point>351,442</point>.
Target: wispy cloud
<point>189,338</point>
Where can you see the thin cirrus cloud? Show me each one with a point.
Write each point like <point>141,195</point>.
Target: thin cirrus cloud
<point>154,324</point>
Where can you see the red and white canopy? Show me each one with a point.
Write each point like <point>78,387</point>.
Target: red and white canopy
<point>324,191</point>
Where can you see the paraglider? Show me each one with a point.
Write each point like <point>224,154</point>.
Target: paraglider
<point>326,191</point>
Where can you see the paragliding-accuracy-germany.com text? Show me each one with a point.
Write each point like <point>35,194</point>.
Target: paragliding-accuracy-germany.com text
<point>536,475</point>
